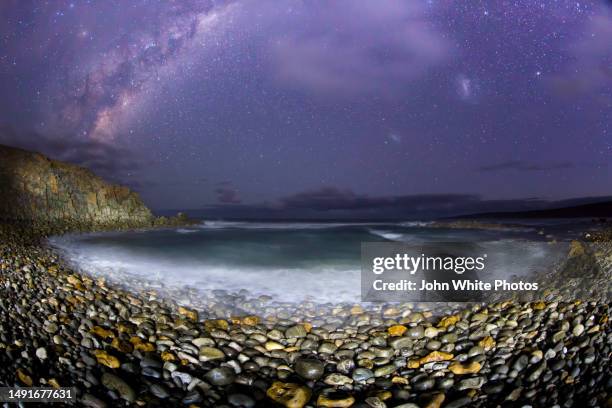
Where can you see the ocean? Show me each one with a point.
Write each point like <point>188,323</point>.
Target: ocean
<point>293,261</point>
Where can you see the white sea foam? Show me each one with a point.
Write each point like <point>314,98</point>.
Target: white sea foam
<point>186,231</point>
<point>416,223</point>
<point>320,284</point>
<point>391,236</point>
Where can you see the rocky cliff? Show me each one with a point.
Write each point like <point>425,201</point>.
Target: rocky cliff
<point>36,189</point>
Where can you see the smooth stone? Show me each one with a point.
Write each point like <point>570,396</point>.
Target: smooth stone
<point>424,385</point>
<point>362,374</point>
<point>345,366</point>
<point>51,328</point>
<point>328,348</point>
<point>41,353</point>
<point>241,400</point>
<point>221,376</point>
<point>159,391</point>
<point>192,397</point>
<point>385,370</point>
<point>297,331</point>
<point>375,402</point>
<point>337,379</point>
<point>91,401</point>
<point>459,403</point>
<point>537,371</point>
<point>578,330</point>
<point>203,341</point>
<point>115,383</point>
<point>536,356</point>
<point>309,368</point>
<point>185,378</point>
<point>401,343</point>
<point>151,372</point>
<point>210,354</point>
<point>470,383</point>
<point>520,363</point>
<point>150,362</point>
<point>416,332</point>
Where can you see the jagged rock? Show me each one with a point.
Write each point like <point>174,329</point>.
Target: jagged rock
<point>60,197</point>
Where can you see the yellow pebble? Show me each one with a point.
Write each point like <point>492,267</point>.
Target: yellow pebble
<point>487,343</point>
<point>217,324</point>
<point>188,313</point>
<point>102,332</point>
<point>396,330</point>
<point>384,395</point>
<point>251,320</point>
<point>106,359</point>
<point>326,402</point>
<point>289,395</point>
<point>24,377</point>
<point>436,401</point>
<point>435,356</point>
<point>413,364</point>
<point>460,369</point>
<point>399,380</point>
<point>448,321</point>
<point>168,356</point>
<point>144,347</point>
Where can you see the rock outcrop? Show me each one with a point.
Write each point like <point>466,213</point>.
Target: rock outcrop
<point>35,189</point>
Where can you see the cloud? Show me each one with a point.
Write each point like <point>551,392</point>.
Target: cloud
<point>591,70</point>
<point>110,161</point>
<point>226,194</point>
<point>338,203</point>
<point>519,165</point>
<point>332,198</point>
<point>357,46</point>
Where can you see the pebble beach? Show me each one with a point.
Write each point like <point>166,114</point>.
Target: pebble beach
<point>136,347</point>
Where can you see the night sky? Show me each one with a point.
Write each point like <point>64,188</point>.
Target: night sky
<point>316,106</point>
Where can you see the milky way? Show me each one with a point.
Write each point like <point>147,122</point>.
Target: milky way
<point>255,103</point>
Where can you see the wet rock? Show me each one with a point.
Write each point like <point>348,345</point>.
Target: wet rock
<point>115,383</point>
<point>309,368</point>
<point>297,331</point>
<point>91,401</point>
<point>221,376</point>
<point>41,353</point>
<point>289,395</point>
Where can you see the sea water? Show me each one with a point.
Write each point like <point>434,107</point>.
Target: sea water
<point>291,262</point>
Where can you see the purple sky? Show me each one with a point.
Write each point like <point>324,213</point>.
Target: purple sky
<point>279,103</point>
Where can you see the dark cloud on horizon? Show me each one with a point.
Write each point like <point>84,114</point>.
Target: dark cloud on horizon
<point>335,203</point>
<point>226,194</point>
<point>523,166</point>
<point>332,203</point>
<point>332,198</point>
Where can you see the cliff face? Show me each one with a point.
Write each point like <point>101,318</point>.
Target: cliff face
<point>34,188</point>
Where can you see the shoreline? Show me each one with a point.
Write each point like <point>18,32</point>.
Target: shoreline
<point>118,348</point>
